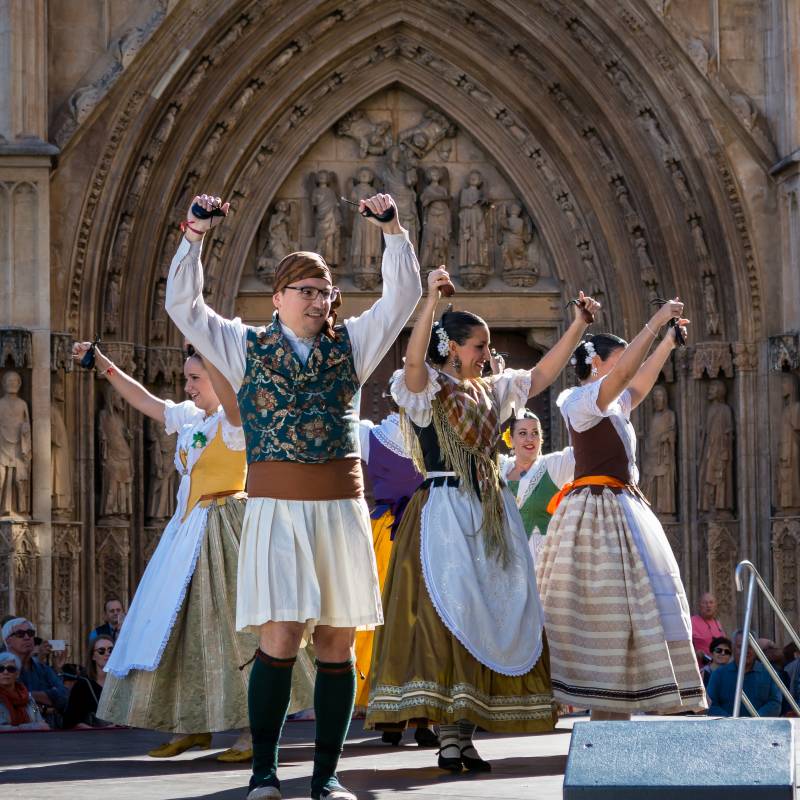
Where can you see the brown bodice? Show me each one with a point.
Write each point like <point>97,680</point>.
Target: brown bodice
<point>600,451</point>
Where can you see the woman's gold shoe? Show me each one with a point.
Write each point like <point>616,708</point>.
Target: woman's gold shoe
<point>170,749</point>
<point>234,756</point>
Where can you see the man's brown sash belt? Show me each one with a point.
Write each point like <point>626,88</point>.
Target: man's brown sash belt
<point>338,479</point>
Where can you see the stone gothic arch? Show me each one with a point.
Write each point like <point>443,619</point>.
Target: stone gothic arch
<point>645,172</point>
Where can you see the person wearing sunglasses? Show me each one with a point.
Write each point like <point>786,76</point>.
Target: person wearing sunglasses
<point>85,695</point>
<point>18,709</point>
<point>41,681</point>
<point>306,563</point>
<point>721,653</point>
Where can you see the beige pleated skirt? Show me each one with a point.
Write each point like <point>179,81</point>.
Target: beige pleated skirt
<point>198,685</point>
<point>614,609</point>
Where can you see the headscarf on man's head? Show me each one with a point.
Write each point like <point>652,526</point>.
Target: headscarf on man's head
<point>304,264</point>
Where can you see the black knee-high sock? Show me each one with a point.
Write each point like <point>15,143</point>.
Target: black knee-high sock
<point>334,695</point>
<point>268,701</point>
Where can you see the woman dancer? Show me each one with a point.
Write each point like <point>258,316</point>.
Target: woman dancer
<point>609,582</point>
<point>462,642</point>
<point>393,478</point>
<point>175,665</point>
<point>534,479</point>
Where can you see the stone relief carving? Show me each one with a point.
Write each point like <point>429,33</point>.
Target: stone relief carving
<point>723,555</point>
<point>785,545</point>
<point>429,133</point>
<point>518,246</point>
<point>158,317</point>
<point>61,352</point>
<point>167,124</point>
<point>141,176</point>
<point>66,576</point>
<point>659,455</point>
<point>116,458</point>
<point>161,494</point>
<point>60,455</point>
<point>715,482</point>
<point>788,466</point>
<point>163,364</point>
<point>19,557</point>
<point>366,241</point>
<point>373,138</point>
<point>278,240</point>
<point>437,220</point>
<point>784,352</point>
<point>473,239</point>
<point>112,551</point>
<point>16,346</point>
<point>711,358</point>
<point>400,180</point>
<point>327,211</point>
<point>15,448</point>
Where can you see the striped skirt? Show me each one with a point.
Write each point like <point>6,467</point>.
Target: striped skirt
<point>616,615</point>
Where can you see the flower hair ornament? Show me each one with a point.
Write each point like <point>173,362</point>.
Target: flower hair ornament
<point>590,353</point>
<point>443,348</point>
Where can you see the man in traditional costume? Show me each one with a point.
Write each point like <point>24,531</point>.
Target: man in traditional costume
<point>306,562</point>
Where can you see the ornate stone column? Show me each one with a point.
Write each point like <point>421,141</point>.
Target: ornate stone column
<point>25,161</point>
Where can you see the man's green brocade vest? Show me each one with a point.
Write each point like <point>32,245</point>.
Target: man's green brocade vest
<point>299,412</point>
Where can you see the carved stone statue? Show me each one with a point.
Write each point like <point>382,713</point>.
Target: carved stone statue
<point>111,305</point>
<point>161,495</point>
<point>327,219</point>
<point>710,305</point>
<point>788,468</point>
<point>373,138</point>
<point>658,468</point>
<point>422,138</point>
<point>716,460</point>
<point>399,180</point>
<point>279,241</point>
<point>437,222</point>
<point>158,320</point>
<point>116,458</point>
<point>60,458</point>
<point>516,235</point>
<point>366,242</point>
<point>15,448</point>
<point>473,251</point>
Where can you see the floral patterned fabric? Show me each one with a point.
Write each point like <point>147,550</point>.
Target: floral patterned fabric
<point>299,412</point>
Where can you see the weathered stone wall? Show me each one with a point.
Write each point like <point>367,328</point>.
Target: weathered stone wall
<point>651,146</point>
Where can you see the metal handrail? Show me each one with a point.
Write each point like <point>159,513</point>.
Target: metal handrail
<point>749,639</point>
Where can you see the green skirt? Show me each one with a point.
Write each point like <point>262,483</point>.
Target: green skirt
<point>199,684</point>
<point>420,670</point>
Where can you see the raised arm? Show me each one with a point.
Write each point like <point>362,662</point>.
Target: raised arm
<point>373,332</point>
<point>225,393</point>
<point>553,362</point>
<point>222,341</point>
<point>631,360</point>
<point>643,381</point>
<point>416,371</point>
<point>131,390</point>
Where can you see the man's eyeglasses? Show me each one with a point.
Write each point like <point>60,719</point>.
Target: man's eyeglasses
<point>722,651</point>
<point>23,633</point>
<point>101,651</point>
<point>311,293</point>
<point>8,668</point>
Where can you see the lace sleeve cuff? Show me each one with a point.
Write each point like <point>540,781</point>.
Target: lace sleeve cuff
<point>417,405</point>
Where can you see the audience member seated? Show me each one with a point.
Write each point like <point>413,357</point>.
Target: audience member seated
<point>41,680</point>
<point>776,659</point>
<point>3,621</point>
<point>721,653</point>
<point>705,625</point>
<point>18,710</point>
<point>114,615</point>
<point>85,694</point>
<point>71,673</point>
<point>758,686</point>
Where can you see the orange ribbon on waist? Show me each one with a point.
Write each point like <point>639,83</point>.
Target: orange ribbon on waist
<point>588,480</point>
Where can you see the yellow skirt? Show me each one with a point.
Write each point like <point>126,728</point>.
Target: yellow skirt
<point>420,670</point>
<point>382,542</point>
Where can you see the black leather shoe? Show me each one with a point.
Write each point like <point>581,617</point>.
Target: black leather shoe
<point>392,737</point>
<point>425,737</point>
<point>450,764</point>
<point>474,764</point>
